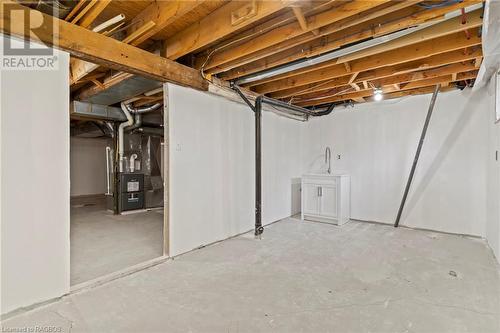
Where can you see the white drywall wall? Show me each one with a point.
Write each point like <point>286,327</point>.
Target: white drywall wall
<point>212,189</point>
<point>377,143</point>
<point>88,166</point>
<point>34,185</point>
<point>493,219</point>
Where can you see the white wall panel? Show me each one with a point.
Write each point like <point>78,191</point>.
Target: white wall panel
<point>377,143</point>
<point>35,184</point>
<point>88,165</point>
<point>212,167</point>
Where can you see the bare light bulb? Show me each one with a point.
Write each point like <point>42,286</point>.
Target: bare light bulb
<point>378,95</point>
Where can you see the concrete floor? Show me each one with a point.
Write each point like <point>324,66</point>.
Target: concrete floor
<point>301,277</point>
<point>103,243</point>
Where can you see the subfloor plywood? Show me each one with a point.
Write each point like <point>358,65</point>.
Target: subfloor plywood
<point>300,277</point>
<point>103,243</point>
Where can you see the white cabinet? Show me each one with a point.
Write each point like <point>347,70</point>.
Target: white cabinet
<point>326,198</point>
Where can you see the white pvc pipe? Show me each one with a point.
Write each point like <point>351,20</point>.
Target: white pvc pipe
<point>108,183</point>
<point>108,23</point>
<point>133,157</point>
<point>121,128</point>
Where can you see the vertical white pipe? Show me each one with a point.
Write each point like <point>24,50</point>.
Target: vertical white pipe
<point>108,190</point>
<point>121,128</point>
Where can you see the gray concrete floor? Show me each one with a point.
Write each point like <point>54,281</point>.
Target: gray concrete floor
<point>301,277</point>
<point>103,243</point>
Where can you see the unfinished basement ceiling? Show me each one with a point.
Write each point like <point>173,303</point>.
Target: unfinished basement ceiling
<point>253,43</point>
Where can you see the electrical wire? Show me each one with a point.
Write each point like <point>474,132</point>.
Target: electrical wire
<point>259,32</point>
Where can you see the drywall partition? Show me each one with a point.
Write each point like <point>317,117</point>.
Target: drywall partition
<point>493,219</point>
<point>377,142</point>
<point>211,166</point>
<point>88,166</point>
<point>34,184</point>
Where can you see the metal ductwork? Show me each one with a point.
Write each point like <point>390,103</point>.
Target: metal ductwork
<point>84,110</point>
<point>122,91</point>
<point>133,122</point>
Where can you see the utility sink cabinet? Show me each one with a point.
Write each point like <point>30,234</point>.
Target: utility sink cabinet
<point>326,198</point>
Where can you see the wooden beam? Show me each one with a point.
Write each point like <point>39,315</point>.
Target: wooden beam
<point>395,79</point>
<point>370,18</point>
<point>453,25</point>
<point>279,20</point>
<point>331,69</point>
<point>347,66</point>
<point>274,21</point>
<point>248,65</point>
<point>413,92</point>
<point>148,100</point>
<point>75,10</point>
<point>353,77</point>
<point>97,83</point>
<point>425,16</point>
<point>388,89</point>
<point>89,6</point>
<point>291,30</point>
<point>93,13</point>
<point>215,26</point>
<point>91,77</point>
<point>149,22</point>
<point>163,14</point>
<point>297,11</point>
<point>81,68</point>
<point>137,35</point>
<point>355,86</point>
<point>94,47</point>
<point>107,82</point>
<point>359,99</point>
<point>457,58</point>
<point>478,61</point>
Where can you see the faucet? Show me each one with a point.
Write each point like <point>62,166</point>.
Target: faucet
<point>328,158</point>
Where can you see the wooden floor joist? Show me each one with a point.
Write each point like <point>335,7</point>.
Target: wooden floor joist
<point>279,56</point>
<point>145,25</point>
<point>399,79</point>
<point>102,50</point>
<point>290,31</point>
<point>162,13</point>
<point>455,58</point>
<point>229,39</point>
<point>302,42</point>
<point>215,26</point>
<point>329,70</point>
<point>474,20</point>
<point>93,13</point>
<point>388,89</point>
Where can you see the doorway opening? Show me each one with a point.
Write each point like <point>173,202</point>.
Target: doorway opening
<point>117,174</point>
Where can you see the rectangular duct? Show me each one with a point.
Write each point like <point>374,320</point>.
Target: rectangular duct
<point>84,110</point>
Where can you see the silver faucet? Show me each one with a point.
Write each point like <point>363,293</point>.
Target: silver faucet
<point>328,159</point>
